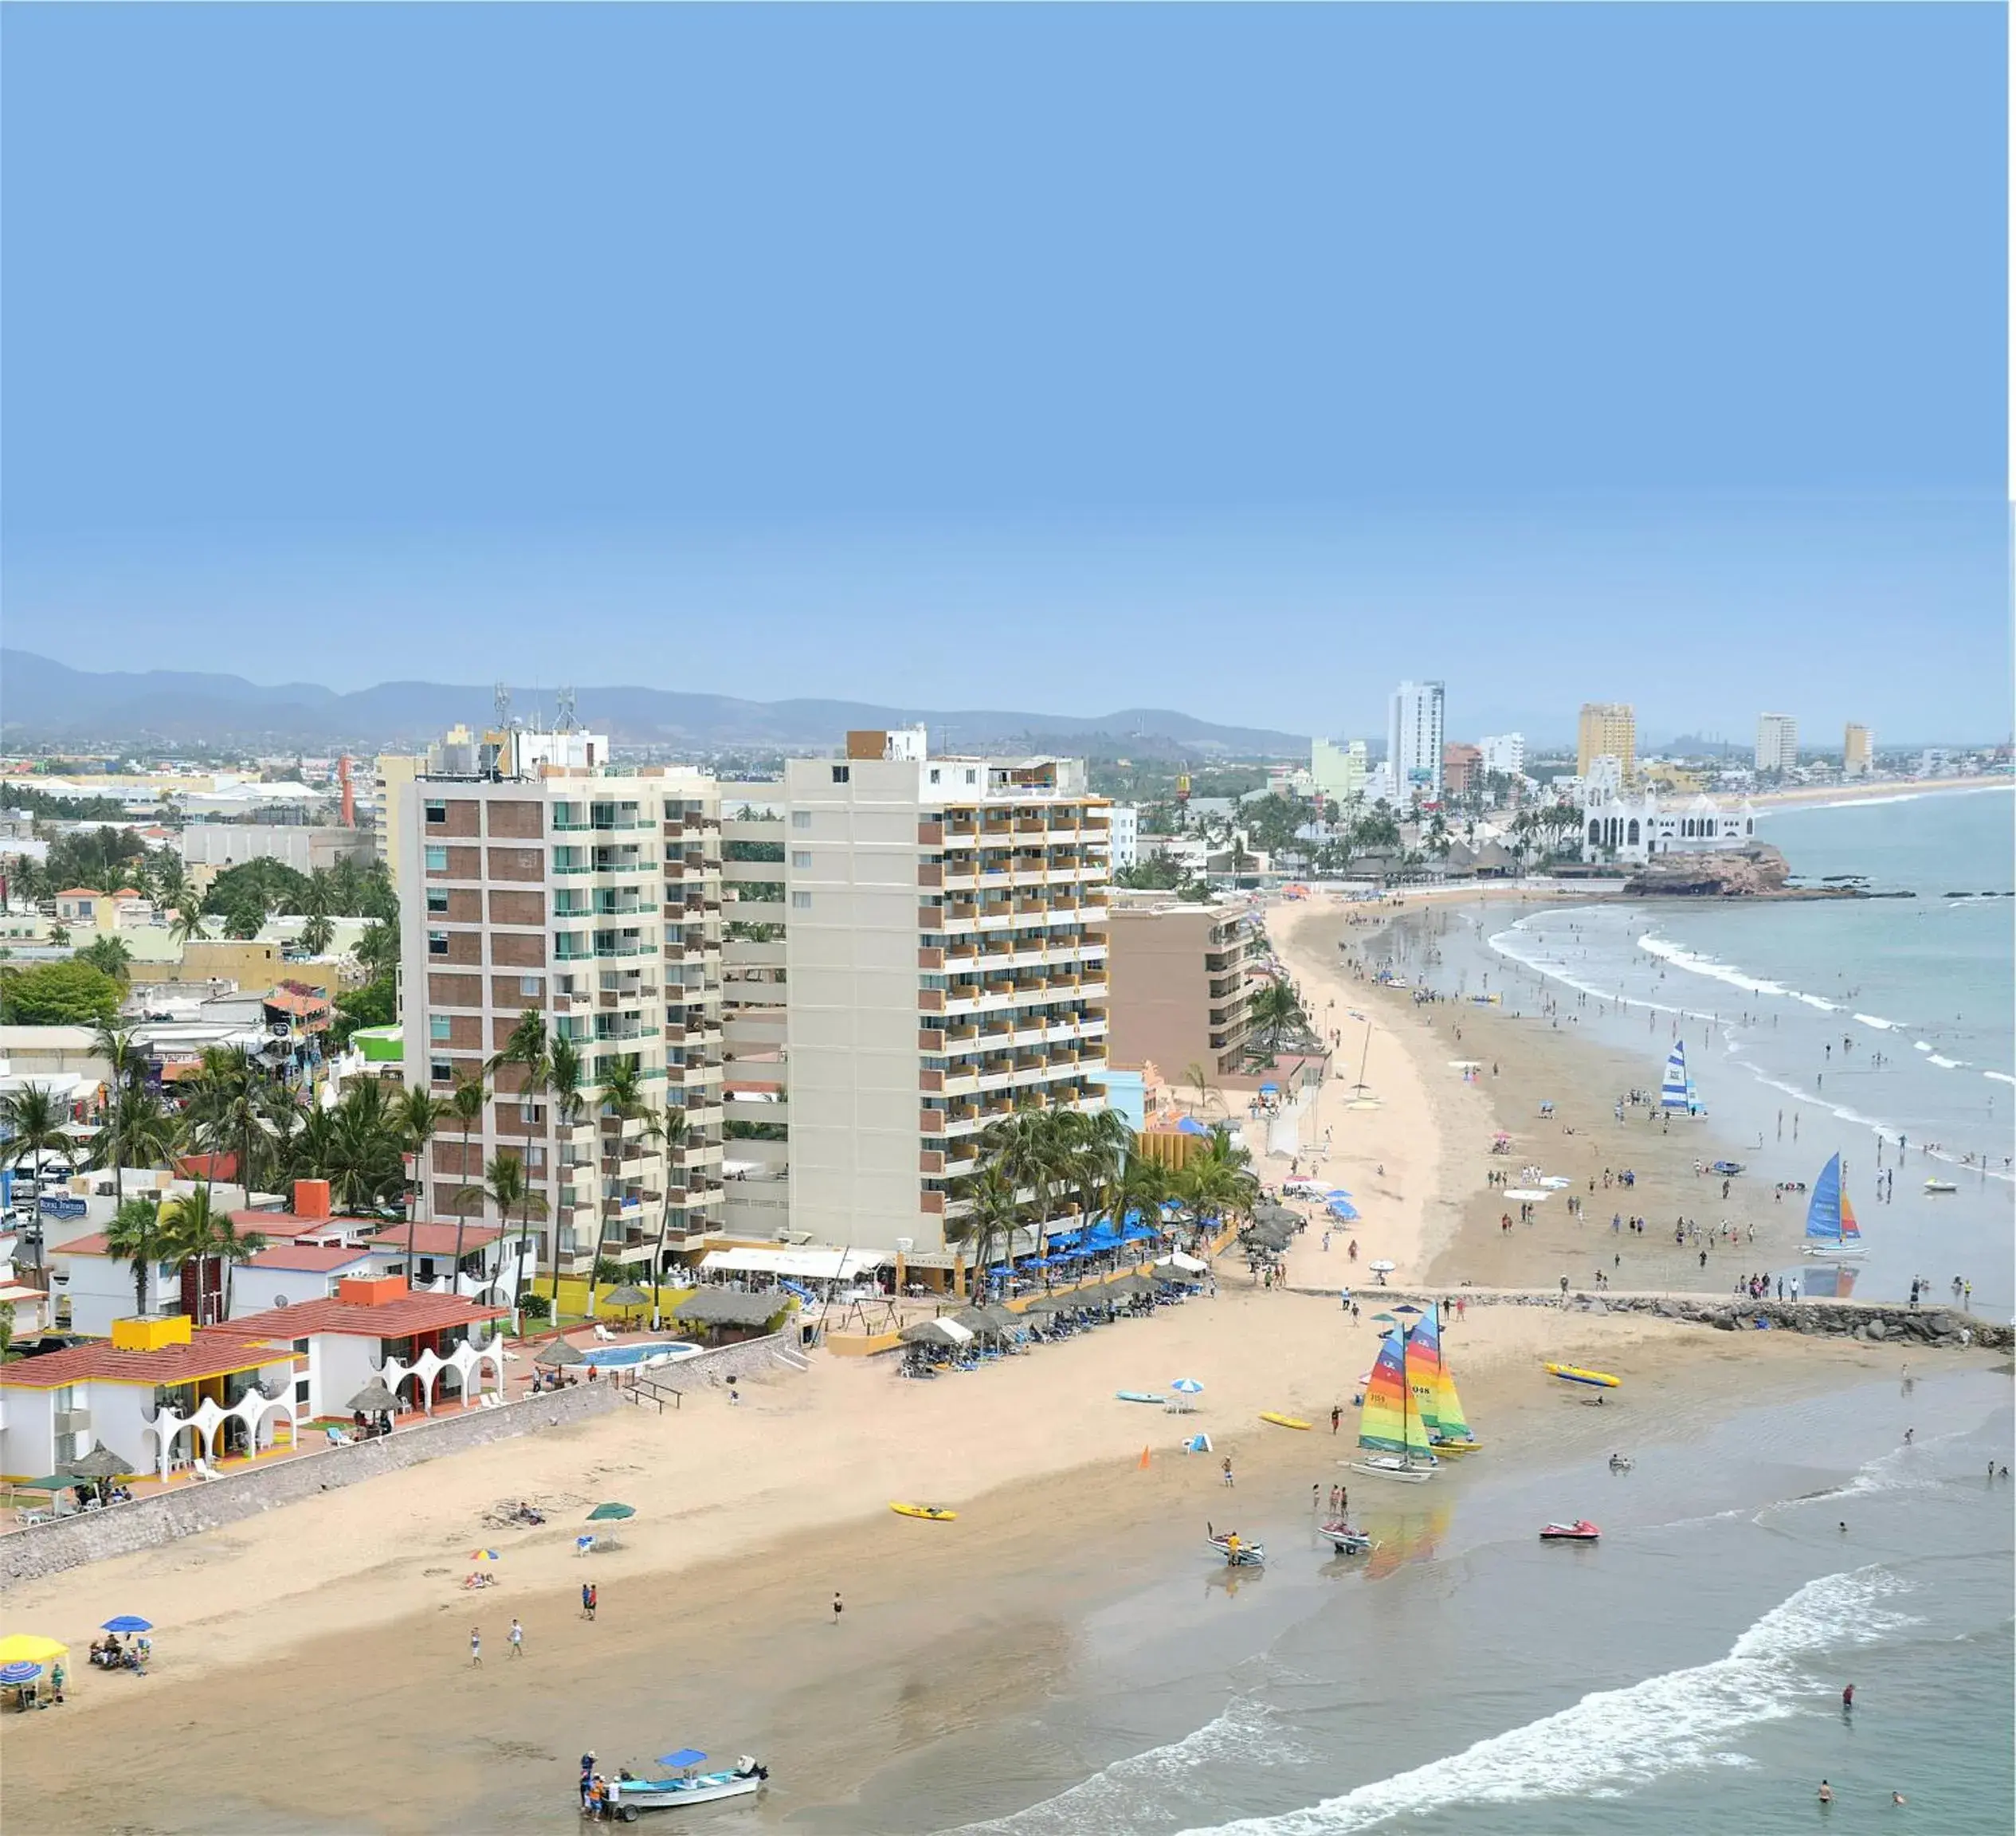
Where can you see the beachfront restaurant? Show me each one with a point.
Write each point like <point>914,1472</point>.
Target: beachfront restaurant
<point>212,1391</point>
<point>428,1348</point>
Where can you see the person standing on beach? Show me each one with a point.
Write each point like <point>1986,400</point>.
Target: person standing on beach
<point>516,1638</point>
<point>1336,1415</point>
<point>838,1608</point>
<point>476,1646</point>
<point>1227,1469</point>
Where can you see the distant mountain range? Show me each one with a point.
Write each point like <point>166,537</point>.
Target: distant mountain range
<point>45,702</point>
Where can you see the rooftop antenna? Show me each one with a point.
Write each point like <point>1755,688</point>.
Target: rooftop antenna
<point>500,700</point>
<point>563,718</point>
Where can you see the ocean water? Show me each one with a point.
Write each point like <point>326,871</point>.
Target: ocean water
<point>1813,1029</point>
<point>1683,1674</point>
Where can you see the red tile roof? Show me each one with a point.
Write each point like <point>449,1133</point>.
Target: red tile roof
<point>435,1239</point>
<point>286,1226</point>
<point>398,1319</point>
<point>215,1352</point>
<point>311,1257</point>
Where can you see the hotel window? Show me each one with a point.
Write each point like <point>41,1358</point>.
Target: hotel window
<point>436,812</point>
<point>528,985</point>
<point>437,942</point>
<point>440,1071</point>
<point>801,901</point>
<point>437,903</point>
<point>440,1028</point>
<point>801,859</point>
<point>840,774</point>
<point>436,860</point>
<point>801,819</point>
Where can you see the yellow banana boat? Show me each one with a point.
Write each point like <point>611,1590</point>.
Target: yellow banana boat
<point>931,1514</point>
<point>1575,1374</point>
<point>1282,1421</point>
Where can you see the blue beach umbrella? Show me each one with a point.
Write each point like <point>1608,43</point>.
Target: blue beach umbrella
<point>16,1673</point>
<point>1187,1386</point>
<point>1270,1089</point>
<point>1190,1125</point>
<point>133,1622</point>
<point>1344,1210</point>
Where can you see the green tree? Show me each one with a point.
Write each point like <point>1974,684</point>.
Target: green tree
<point>69,993</point>
<point>317,935</point>
<point>508,1186</point>
<point>375,1004</point>
<point>109,955</point>
<point>467,1105</point>
<point>33,1123</point>
<point>989,1221</point>
<point>416,1113</point>
<point>665,1129</point>
<point>137,1238</point>
<point>114,1044</point>
<point>623,1098</point>
<point>377,951</point>
<point>1275,1007</point>
<point>197,1233</point>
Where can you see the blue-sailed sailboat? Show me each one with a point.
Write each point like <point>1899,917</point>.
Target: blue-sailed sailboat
<point>1677,1088</point>
<point>1830,1227</point>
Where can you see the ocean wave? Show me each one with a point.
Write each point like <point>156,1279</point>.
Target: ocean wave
<point>1247,1733</point>
<point>1614,1740</point>
<point>1999,1077</point>
<point>1695,964</point>
<point>1945,1063</point>
<point>1554,972</point>
<point>1878,1021</point>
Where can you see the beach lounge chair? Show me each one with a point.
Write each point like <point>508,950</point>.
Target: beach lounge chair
<point>203,1468</point>
<point>603,1333</point>
<point>338,1437</point>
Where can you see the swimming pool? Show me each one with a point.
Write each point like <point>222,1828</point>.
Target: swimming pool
<point>650,1352</point>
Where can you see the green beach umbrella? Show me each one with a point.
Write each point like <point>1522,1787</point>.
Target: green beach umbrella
<point>1387,1317</point>
<point>611,1513</point>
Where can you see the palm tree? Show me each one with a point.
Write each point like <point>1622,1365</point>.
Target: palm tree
<point>32,1123</point>
<point>1096,1149</point>
<point>188,924</point>
<point>378,949</point>
<point>1026,1149</point>
<point>135,1236</point>
<point>507,1185</point>
<point>114,1044</point>
<point>563,1077</point>
<point>665,1129</point>
<point>196,1233</point>
<point>623,1097</point>
<point>416,1114</point>
<point>467,1105</point>
<point>1200,1080</point>
<point>220,1097</point>
<point>149,1132</point>
<point>992,1219</point>
<point>1274,1008</point>
<point>318,934</point>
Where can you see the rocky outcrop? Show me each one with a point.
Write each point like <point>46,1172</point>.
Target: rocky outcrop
<point>1757,870</point>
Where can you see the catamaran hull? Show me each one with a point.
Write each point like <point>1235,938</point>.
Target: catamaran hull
<point>1408,1472</point>
<point>1833,1252</point>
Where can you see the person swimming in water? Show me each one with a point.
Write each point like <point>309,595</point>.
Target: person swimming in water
<point>1848,1699</point>
<point>1827,1792</point>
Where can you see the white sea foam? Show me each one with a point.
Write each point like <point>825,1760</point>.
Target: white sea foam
<point>1615,1740</point>
<point>1920,1045</point>
<point>1999,1077</point>
<point>1878,1021</point>
<point>1247,1733</point>
<point>1944,1064</point>
<point>1695,964</point>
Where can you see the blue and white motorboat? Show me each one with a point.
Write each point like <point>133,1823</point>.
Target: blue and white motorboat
<point>684,1783</point>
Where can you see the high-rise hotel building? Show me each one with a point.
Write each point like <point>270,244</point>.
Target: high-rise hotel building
<point>915,947</point>
<point>594,901</point>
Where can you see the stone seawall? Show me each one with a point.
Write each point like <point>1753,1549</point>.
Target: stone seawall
<point>1878,1321</point>
<point>45,1549</point>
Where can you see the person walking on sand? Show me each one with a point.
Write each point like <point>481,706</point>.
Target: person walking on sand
<point>1227,1469</point>
<point>1336,1415</point>
<point>516,1638</point>
<point>476,1646</point>
<point>838,1608</point>
<point>587,1595</point>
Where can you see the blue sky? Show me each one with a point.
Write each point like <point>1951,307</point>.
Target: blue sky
<point>1249,358</point>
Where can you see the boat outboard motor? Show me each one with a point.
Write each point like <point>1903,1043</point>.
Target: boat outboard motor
<point>746,1768</point>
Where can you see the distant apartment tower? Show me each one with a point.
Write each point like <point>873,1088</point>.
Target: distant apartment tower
<point>1777,742</point>
<point>1414,740</point>
<point>923,951</point>
<point>1180,986</point>
<point>1504,753</point>
<point>1340,771</point>
<point>1123,837</point>
<point>1857,751</point>
<point>593,901</point>
<point>1462,768</point>
<point>1607,729</point>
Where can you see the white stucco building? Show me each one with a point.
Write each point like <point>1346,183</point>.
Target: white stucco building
<point>1632,829</point>
<point>1123,837</point>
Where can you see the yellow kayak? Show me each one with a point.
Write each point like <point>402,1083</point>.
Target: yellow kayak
<point>1575,1374</point>
<point>1457,1446</point>
<point>935,1513</point>
<point>1282,1421</point>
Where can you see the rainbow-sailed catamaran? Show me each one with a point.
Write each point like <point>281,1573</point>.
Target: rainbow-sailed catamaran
<point>1432,1386</point>
<point>1392,1433</point>
<point>1830,1227</point>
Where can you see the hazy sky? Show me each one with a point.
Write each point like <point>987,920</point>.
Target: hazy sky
<point>1238,359</point>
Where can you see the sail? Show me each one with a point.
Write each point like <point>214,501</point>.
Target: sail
<point>1851,1232</point>
<point>1425,1372</point>
<point>1825,1209</point>
<point>1676,1091</point>
<point>1388,1423</point>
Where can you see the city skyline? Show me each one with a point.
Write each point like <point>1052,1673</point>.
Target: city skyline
<point>1290,411</point>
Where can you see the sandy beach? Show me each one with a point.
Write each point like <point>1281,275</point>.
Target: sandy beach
<point>345,1615</point>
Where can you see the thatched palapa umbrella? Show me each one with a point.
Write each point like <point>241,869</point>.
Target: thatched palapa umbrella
<point>101,1462</point>
<point>558,1352</point>
<point>626,1299</point>
<point>375,1398</point>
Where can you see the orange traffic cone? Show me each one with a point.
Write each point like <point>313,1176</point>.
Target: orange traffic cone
<point>1144,1459</point>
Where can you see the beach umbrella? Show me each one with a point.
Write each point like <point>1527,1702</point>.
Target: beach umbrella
<point>1383,1267</point>
<point>611,1513</point>
<point>14,1674</point>
<point>1187,1386</point>
<point>1343,1210</point>
<point>48,1482</point>
<point>1270,1089</point>
<point>375,1398</point>
<point>1406,1307</point>
<point>101,1462</point>
<point>1386,1317</point>
<point>627,1298</point>
<point>127,1622</point>
<point>483,1555</point>
<point>30,1648</point>
<point>1190,1125</point>
<point>559,1352</point>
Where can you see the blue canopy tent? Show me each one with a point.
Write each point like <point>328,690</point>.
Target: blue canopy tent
<point>1190,1125</point>
<point>1343,1208</point>
<point>684,1760</point>
<point>1270,1089</point>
